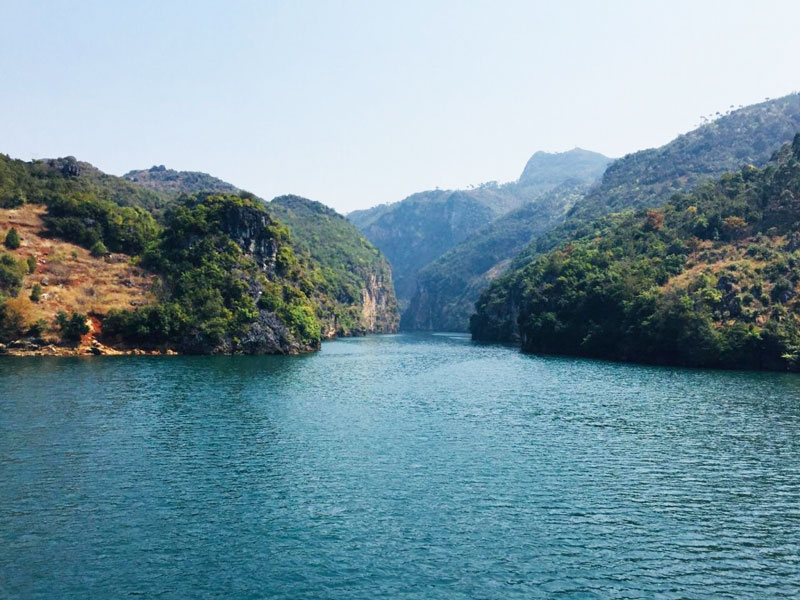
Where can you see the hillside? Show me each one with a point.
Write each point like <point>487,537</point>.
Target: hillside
<point>414,232</point>
<point>649,178</point>
<point>448,288</point>
<point>87,269</point>
<point>68,277</point>
<point>710,279</point>
<point>174,183</point>
<point>357,296</point>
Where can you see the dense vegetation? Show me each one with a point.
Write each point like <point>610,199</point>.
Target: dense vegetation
<point>416,231</point>
<point>229,279</point>
<point>175,183</point>
<point>212,291</point>
<point>709,279</point>
<point>347,270</point>
<point>84,206</point>
<point>40,181</point>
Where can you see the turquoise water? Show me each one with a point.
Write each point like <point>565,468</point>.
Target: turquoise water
<point>408,466</point>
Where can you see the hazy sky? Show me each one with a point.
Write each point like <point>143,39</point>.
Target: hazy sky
<point>359,103</point>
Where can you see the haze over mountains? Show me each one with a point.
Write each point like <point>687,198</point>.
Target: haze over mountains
<point>415,231</point>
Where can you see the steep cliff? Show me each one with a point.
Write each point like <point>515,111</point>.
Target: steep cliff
<point>357,296</point>
<point>211,273</point>
<point>230,283</point>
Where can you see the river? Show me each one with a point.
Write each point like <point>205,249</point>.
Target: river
<point>405,466</point>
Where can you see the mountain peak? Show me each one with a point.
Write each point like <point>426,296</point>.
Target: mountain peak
<point>578,164</point>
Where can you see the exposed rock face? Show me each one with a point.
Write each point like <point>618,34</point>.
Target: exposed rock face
<point>448,288</point>
<point>249,228</point>
<point>378,304</point>
<point>416,231</point>
<point>269,335</point>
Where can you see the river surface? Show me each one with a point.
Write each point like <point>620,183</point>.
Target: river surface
<point>407,466</point>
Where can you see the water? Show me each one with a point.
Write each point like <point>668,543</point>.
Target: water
<point>409,466</point>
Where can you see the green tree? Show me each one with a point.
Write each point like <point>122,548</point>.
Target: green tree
<point>99,249</point>
<point>12,239</point>
<point>36,293</point>
<point>31,260</point>
<point>72,327</point>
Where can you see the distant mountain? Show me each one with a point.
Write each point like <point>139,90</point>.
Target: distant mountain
<point>647,179</point>
<point>414,232</point>
<point>448,287</point>
<point>712,278</point>
<point>552,169</point>
<point>174,183</point>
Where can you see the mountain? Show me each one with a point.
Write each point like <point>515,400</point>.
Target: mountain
<point>174,183</point>
<point>87,268</point>
<point>358,295</point>
<point>448,288</point>
<point>649,178</point>
<point>552,169</point>
<point>414,232</point>
<point>710,279</point>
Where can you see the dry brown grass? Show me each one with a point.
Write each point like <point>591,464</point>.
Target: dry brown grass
<point>72,279</point>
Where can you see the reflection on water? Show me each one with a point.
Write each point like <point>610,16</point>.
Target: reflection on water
<point>406,466</point>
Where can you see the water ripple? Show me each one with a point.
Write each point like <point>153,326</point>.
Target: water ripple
<point>408,466</point>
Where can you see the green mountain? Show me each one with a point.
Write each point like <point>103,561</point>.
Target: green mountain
<point>709,279</point>
<point>212,273</point>
<point>173,183</point>
<point>649,178</point>
<point>356,295</point>
<point>414,232</point>
<point>42,180</point>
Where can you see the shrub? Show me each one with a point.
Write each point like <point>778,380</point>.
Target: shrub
<point>38,328</point>
<point>99,249</point>
<point>11,273</point>
<point>31,260</point>
<point>15,317</point>
<point>36,293</point>
<point>12,239</point>
<point>72,327</point>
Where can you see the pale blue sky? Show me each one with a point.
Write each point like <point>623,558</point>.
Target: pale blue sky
<point>359,103</point>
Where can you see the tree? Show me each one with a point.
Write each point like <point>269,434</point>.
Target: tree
<point>12,239</point>
<point>99,249</point>
<point>36,292</point>
<point>31,260</point>
<point>73,327</point>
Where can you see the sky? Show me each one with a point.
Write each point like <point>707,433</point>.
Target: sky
<point>358,103</point>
